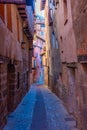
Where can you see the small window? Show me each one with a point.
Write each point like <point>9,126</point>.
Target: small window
<point>57,2</point>
<point>42,25</point>
<point>18,27</point>
<point>54,2</point>
<point>36,54</point>
<point>41,33</point>
<point>51,13</point>
<point>53,40</point>
<point>65,11</point>
<point>34,63</point>
<point>9,18</point>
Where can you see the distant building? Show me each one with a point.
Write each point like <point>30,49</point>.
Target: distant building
<point>39,49</point>
<point>52,44</point>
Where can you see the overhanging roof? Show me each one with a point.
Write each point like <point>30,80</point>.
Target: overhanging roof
<point>13,1</point>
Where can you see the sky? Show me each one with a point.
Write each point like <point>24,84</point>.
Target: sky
<point>37,8</point>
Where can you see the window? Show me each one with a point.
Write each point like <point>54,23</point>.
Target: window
<point>18,27</point>
<point>51,13</point>
<point>2,11</point>
<point>65,11</point>
<point>42,25</point>
<point>56,3</point>
<point>53,40</point>
<point>9,19</point>
<point>34,63</point>
<point>36,54</point>
<point>41,63</point>
<point>41,33</point>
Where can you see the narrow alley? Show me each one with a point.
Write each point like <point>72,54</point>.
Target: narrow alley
<point>40,109</point>
<point>43,64</point>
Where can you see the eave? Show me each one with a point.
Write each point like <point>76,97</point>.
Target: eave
<point>19,2</point>
<point>13,1</point>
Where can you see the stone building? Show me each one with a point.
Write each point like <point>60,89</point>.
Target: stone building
<point>52,45</point>
<point>69,18</point>
<point>39,59</point>
<point>66,36</point>
<point>16,38</point>
<point>79,16</point>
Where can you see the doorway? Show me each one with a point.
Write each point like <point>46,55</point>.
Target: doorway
<point>10,86</point>
<point>71,90</point>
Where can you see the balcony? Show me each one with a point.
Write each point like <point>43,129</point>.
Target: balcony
<point>42,6</point>
<point>25,8</point>
<point>26,14</point>
<point>40,21</point>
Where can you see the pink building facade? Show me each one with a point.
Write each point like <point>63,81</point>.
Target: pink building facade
<point>38,45</point>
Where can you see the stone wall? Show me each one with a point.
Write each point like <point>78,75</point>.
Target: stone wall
<point>14,72</point>
<point>82,95</point>
<point>17,85</point>
<point>3,93</point>
<point>65,32</point>
<point>71,32</point>
<point>79,15</point>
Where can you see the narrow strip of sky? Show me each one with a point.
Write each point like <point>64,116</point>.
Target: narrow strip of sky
<point>37,8</point>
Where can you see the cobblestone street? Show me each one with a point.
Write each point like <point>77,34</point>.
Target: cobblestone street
<point>40,109</point>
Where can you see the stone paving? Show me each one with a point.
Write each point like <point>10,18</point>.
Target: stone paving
<point>40,109</point>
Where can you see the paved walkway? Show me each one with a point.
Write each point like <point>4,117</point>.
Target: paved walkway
<point>40,110</point>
